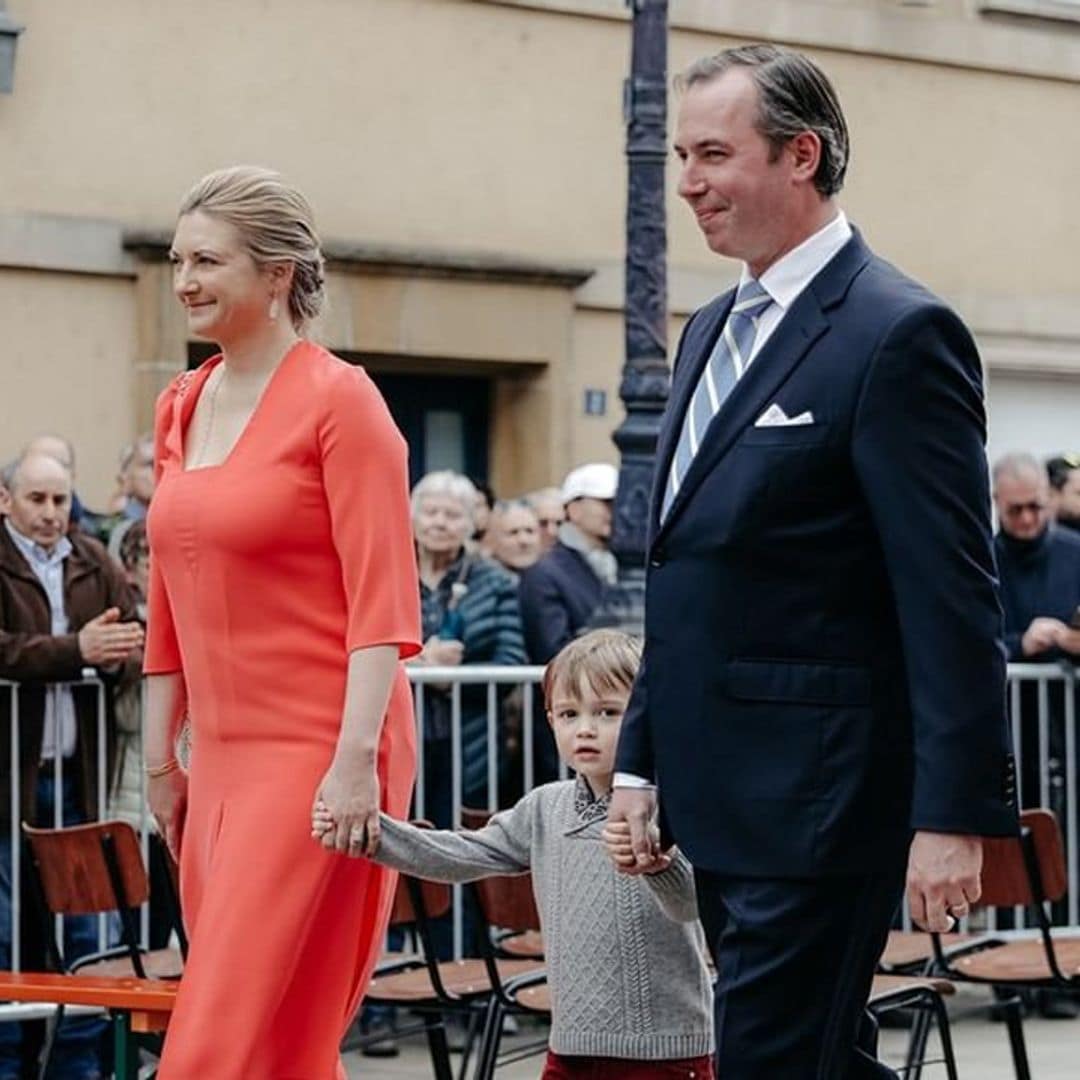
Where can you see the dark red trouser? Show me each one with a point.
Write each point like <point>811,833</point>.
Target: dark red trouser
<point>561,1067</point>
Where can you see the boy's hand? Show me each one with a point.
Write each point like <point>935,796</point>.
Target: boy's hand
<point>616,837</point>
<point>634,844</point>
<point>322,822</point>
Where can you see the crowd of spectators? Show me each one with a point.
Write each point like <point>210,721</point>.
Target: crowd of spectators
<point>504,581</point>
<point>1037,548</point>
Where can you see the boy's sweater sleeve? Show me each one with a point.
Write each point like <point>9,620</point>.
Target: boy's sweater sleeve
<point>502,846</point>
<point>674,888</point>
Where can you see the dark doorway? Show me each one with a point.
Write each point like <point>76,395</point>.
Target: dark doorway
<point>444,418</point>
<point>200,351</point>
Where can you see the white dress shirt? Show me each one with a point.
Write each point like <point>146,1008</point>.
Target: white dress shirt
<point>48,567</point>
<point>784,281</point>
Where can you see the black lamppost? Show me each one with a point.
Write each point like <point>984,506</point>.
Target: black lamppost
<point>645,376</point>
<point>9,36</point>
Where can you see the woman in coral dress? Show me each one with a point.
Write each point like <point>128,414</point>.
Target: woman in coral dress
<point>283,598</point>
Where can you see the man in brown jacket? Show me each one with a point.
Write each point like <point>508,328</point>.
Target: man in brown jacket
<point>64,607</point>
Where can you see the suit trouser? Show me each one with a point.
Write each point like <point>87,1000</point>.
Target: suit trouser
<point>795,959</point>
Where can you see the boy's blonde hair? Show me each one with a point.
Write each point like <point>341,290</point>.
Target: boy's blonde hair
<point>605,660</point>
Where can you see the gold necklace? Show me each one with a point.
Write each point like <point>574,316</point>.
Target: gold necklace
<point>211,413</point>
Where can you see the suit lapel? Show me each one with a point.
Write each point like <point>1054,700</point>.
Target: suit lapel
<point>800,328</point>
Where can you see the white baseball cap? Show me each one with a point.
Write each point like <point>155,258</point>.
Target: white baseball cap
<point>594,481</point>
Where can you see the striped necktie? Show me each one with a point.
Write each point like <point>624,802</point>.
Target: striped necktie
<point>726,365</point>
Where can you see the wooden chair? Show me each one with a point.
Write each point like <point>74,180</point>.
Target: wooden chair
<point>911,952</point>
<point>94,869</point>
<point>1029,871</point>
<point>517,944</point>
<point>431,987</point>
<point>91,870</point>
<point>506,905</point>
<point>925,993</point>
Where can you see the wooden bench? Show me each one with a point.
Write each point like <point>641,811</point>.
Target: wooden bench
<point>136,1005</point>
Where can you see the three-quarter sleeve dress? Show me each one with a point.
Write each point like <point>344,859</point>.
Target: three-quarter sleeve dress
<point>266,572</point>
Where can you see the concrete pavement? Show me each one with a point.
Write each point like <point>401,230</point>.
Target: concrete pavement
<point>982,1050</point>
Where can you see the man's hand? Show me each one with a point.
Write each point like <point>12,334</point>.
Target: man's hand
<point>1042,635</point>
<point>633,807</point>
<point>1069,640</point>
<point>441,652</point>
<point>617,839</point>
<point>943,878</point>
<point>105,641</point>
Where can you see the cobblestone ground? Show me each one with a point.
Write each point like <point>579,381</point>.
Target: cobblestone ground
<point>982,1051</point>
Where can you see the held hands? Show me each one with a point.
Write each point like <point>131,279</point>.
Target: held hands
<point>442,652</point>
<point>1046,633</point>
<point>620,848</point>
<point>345,814</point>
<point>943,878</point>
<point>631,835</point>
<point>106,642</point>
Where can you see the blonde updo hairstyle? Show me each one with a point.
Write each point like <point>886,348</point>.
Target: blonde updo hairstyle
<point>275,224</point>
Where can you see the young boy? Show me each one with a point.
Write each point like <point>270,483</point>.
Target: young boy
<point>625,956</point>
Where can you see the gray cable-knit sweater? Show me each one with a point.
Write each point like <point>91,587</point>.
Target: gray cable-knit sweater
<point>625,956</point>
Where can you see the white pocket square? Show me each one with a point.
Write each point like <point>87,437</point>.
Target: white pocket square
<point>774,416</point>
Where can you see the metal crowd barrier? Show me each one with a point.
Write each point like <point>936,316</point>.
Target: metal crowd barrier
<point>1042,701</point>
<point>425,681</point>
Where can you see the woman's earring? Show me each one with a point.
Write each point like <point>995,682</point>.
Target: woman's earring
<point>273,308</point>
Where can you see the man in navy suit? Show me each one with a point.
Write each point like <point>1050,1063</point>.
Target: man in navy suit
<point>821,702</point>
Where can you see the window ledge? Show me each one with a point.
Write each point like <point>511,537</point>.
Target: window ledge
<point>1058,10</point>
<point>1038,48</point>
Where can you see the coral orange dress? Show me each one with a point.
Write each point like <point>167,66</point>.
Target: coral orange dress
<point>266,572</point>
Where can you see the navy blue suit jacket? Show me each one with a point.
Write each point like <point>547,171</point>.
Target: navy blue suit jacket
<point>823,667</point>
<point>558,595</point>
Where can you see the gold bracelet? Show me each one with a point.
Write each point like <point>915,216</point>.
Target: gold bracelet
<point>155,771</point>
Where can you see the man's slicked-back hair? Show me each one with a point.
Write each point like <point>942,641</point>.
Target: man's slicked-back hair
<point>795,95</point>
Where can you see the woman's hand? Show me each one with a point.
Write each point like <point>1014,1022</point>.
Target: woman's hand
<point>345,812</point>
<point>167,796</point>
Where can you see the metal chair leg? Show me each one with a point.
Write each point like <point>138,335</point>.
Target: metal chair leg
<point>489,1041</point>
<point>917,1040</point>
<point>472,1037</point>
<point>435,1030</point>
<point>1014,1023</point>
<point>941,1014</point>
<point>48,1048</point>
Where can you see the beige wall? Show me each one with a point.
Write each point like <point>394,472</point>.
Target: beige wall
<point>463,124</point>
<point>495,127</point>
<point>68,352</point>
